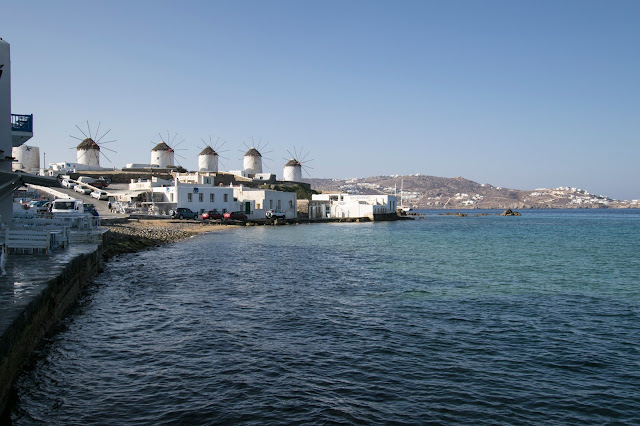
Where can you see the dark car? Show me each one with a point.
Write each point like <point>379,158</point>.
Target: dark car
<point>211,215</point>
<point>235,216</point>
<point>183,213</point>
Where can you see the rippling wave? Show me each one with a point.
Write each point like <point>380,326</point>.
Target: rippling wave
<point>447,320</point>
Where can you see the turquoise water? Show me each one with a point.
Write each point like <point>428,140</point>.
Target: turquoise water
<point>532,319</point>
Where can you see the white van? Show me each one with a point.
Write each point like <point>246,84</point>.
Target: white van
<point>67,205</point>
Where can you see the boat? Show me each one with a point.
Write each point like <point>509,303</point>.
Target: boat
<point>402,207</point>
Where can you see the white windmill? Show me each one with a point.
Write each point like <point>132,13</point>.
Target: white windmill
<point>90,148</point>
<point>252,161</point>
<point>162,154</point>
<point>292,171</point>
<point>208,158</point>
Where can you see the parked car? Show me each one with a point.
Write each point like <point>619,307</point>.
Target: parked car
<point>66,183</point>
<point>35,203</point>
<point>82,189</point>
<point>67,205</point>
<point>97,183</point>
<point>235,216</point>
<point>211,215</point>
<point>46,207</point>
<point>272,214</point>
<point>183,213</point>
<point>100,195</point>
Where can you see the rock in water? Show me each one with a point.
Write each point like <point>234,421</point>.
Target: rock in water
<point>509,212</point>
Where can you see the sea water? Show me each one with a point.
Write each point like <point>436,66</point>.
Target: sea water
<point>479,319</point>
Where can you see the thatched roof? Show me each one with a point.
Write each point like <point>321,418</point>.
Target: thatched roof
<point>292,163</point>
<point>87,144</point>
<point>252,153</point>
<point>208,151</point>
<point>162,147</point>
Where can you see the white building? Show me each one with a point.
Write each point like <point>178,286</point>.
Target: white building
<point>324,206</point>
<point>67,167</point>
<point>196,197</point>
<point>201,178</point>
<point>147,184</point>
<point>268,199</point>
<point>26,158</point>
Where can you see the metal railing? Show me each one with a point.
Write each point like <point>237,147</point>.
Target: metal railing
<point>22,123</point>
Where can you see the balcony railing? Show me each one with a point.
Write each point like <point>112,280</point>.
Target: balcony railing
<point>22,123</point>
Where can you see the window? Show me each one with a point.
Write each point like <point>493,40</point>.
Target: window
<point>171,197</point>
<point>271,204</point>
<point>279,206</point>
<point>189,197</point>
<point>201,197</point>
<point>290,204</point>
<point>258,206</point>
<point>226,198</point>
<point>212,197</point>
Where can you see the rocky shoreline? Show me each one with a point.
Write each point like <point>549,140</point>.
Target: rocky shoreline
<point>136,235</point>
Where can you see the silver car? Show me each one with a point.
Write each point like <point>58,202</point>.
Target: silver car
<point>100,195</point>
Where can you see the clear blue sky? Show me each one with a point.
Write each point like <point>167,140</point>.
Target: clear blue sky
<point>520,94</point>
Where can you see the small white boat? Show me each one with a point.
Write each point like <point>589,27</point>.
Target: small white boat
<point>402,207</point>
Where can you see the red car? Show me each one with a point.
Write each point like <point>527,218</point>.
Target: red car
<point>211,214</point>
<point>235,216</point>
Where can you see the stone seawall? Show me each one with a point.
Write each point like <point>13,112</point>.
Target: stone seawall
<point>22,336</point>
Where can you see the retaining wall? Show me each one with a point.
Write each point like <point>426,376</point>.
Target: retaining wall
<point>39,317</point>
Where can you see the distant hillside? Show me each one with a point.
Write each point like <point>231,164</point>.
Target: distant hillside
<point>432,192</point>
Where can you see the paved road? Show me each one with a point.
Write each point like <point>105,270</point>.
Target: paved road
<point>101,206</point>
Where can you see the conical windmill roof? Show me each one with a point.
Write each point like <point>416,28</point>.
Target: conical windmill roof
<point>208,151</point>
<point>161,147</point>
<point>87,144</point>
<point>252,153</point>
<point>292,163</point>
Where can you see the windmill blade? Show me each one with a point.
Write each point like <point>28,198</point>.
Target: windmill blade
<point>98,129</point>
<point>108,149</point>
<point>71,136</point>
<point>105,156</point>
<point>106,142</point>
<point>103,136</point>
<point>176,144</point>
<point>81,131</point>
